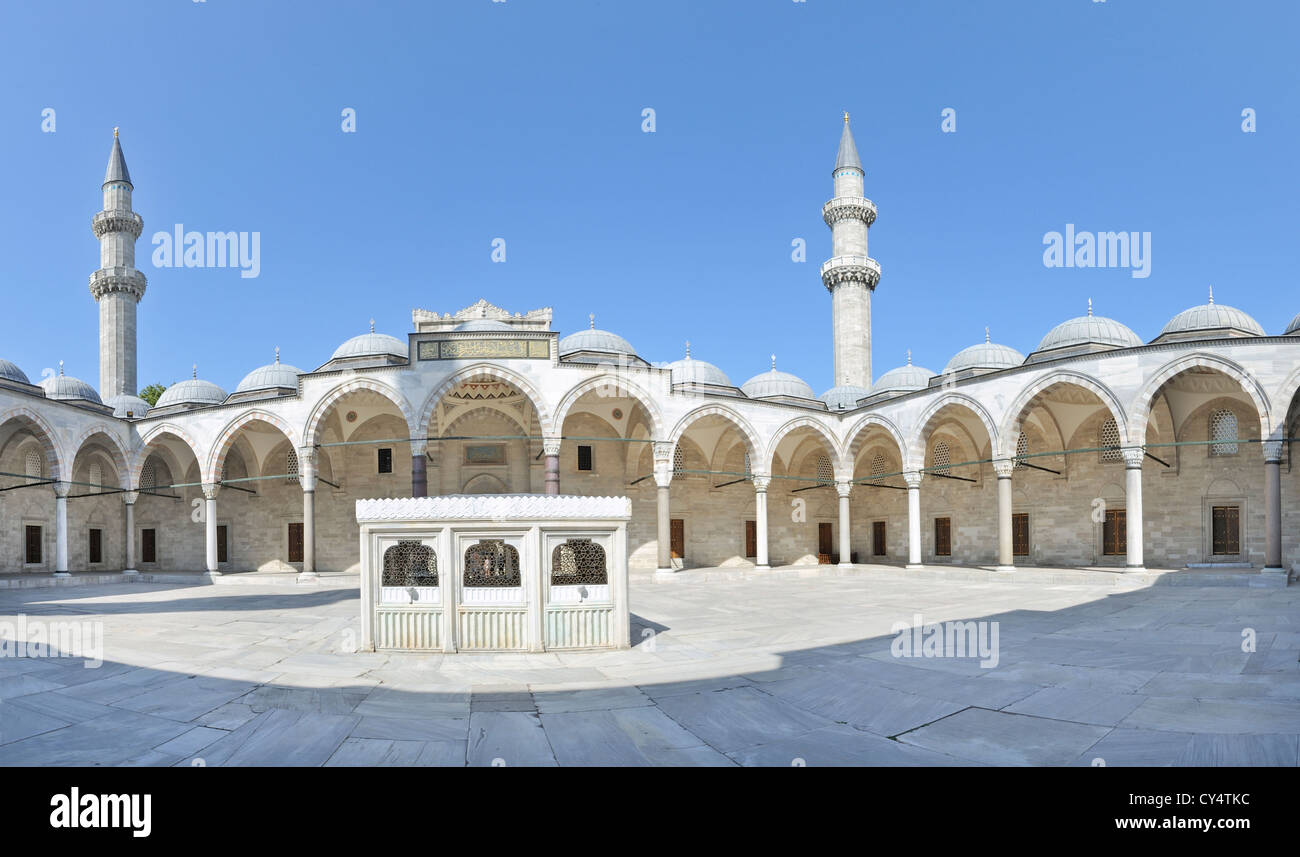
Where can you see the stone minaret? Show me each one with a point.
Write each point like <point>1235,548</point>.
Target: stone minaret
<point>850,274</point>
<point>117,285</point>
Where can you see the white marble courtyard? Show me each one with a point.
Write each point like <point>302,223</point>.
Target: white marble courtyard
<point>778,671</point>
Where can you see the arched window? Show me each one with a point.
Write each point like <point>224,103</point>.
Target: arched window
<point>95,475</point>
<point>1022,449</point>
<point>578,561</point>
<point>679,459</point>
<point>33,466</point>
<point>747,470</point>
<point>291,463</point>
<point>878,465</point>
<point>1108,441</point>
<point>942,458</point>
<point>825,473</point>
<point>410,564</point>
<point>1223,431</point>
<point>492,562</point>
<point>148,477</point>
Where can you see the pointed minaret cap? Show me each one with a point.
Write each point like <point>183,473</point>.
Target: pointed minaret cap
<point>848,154</point>
<point>117,171</point>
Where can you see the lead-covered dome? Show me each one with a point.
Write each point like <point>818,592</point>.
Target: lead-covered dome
<point>370,345</point>
<point>1088,333</point>
<point>191,391</point>
<point>11,372</point>
<point>844,397</point>
<point>1211,320</point>
<point>598,341</point>
<point>691,371</point>
<point>271,376</point>
<point>1292,329</point>
<point>777,384</point>
<point>904,379</point>
<point>985,356</point>
<point>69,389</point>
<point>126,406</point>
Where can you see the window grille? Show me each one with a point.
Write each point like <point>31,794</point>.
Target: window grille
<point>148,478</point>
<point>410,564</point>
<point>1223,430</point>
<point>679,460</point>
<point>1022,449</point>
<point>33,465</point>
<point>1109,441</point>
<point>878,465</point>
<point>96,475</point>
<point>825,472</point>
<point>492,562</point>
<point>291,463</point>
<point>942,458</point>
<point>578,561</point>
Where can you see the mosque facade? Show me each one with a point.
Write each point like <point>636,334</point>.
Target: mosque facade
<point>1097,449</point>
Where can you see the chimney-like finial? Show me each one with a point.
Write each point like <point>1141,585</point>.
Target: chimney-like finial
<point>591,317</point>
<point>1211,295</point>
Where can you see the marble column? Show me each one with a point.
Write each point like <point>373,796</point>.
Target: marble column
<point>61,529</point>
<point>307,479</point>
<point>760,516</point>
<point>913,480</point>
<point>128,500</point>
<point>1006,550</point>
<point>844,488</point>
<point>663,473</point>
<point>419,469</point>
<point>210,490</point>
<point>1133,456</point>
<point>1273,506</point>
<point>551,449</point>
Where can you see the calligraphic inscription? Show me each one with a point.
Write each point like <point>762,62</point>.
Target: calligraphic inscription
<point>457,349</point>
<point>488,453</point>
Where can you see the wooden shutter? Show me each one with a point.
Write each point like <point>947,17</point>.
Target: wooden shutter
<point>677,528</point>
<point>148,545</point>
<point>1020,534</point>
<point>943,537</point>
<point>33,545</point>
<point>584,458</point>
<point>295,542</point>
<point>385,461</point>
<point>96,547</point>
<point>751,538</point>
<point>221,543</point>
<point>878,538</point>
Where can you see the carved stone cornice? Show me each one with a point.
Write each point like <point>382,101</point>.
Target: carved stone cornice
<point>108,280</point>
<point>117,220</point>
<point>850,269</point>
<point>849,208</point>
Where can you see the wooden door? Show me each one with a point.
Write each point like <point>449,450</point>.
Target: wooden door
<point>96,547</point>
<point>943,536</point>
<point>825,539</point>
<point>295,542</point>
<point>1114,533</point>
<point>878,538</point>
<point>221,543</point>
<point>751,538</point>
<point>1020,534</point>
<point>33,535</point>
<point>1226,521</point>
<point>677,543</point>
<point>149,545</point>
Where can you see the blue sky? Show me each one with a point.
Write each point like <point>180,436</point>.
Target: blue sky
<point>522,120</point>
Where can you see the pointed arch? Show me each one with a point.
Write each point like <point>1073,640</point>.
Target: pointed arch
<point>322,408</point>
<point>116,451</point>
<point>1283,397</point>
<point>832,443</point>
<point>624,387</point>
<point>916,446</point>
<point>141,453</point>
<point>45,435</point>
<point>485,370</point>
<point>226,437</point>
<point>861,426</point>
<point>742,425</point>
<point>1011,420</point>
<point>1140,408</point>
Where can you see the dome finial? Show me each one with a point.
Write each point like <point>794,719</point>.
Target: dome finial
<point>986,333</point>
<point>773,362</point>
<point>114,130</point>
<point>1090,307</point>
<point>277,355</point>
<point>591,317</point>
<point>846,117</point>
<point>688,349</point>
<point>1211,295</point>
<point>60,368</point>
<point>372,325</point>
<point>909,357</point>
<point>195,372</point>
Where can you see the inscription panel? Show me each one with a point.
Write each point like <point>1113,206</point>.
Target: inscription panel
<point>496,349</point>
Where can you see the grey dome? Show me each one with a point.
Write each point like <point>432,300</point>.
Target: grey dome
<point>273,375</point>
<point>370,345</point>
<point>844,397</point>
<point>124,402</point>
<point>691,371</point>
<point>67,388</point>
<point>11,372</point>
<point>595,340</point>
<point>1292,328</point>
<point>903,379</point>
<point>483,324</point>
<point>776,383</point>
<point>1089,330</point>
<point>985,355</point>
<point>192,391</point>
<point>1212,317</point>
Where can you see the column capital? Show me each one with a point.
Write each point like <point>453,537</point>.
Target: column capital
<point>419,447</point>
<point>61,489</point>
<point>129,497</point>
<point>844,487</point>
<point>1003,467</point>
<point>913,478</point>
<point>663,450</point>
<point>1133,456</point>
<point>761,481</point>
<point>663,475</point>
<point>1272,451</point>
<point>551,445</point>
<point>210,489</point>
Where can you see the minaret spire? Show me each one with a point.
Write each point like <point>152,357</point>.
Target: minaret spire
<point>117,286</point>
<point>850,275</point>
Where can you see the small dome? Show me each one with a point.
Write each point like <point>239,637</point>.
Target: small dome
<point>370,345</point>
<point>1089,330</point>
<point>776,383</point>
<point>483,324</point>
<point>191,391</point>
<point>1212,318</point>
<point>11,372</point>
<point>595,340</point>
<point>986,356</point>
<point>272,375</point>
<point>124,402</point>
<point>692,371</point>
<point>844,397</point>
<point>67,388</point>
<point>903,379</point>
<point>1292,329</point>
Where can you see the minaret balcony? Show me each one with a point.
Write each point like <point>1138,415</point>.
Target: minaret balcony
<point>117,220</point>
<point>107,280</point>
<point>851,269</point>
<point>849,208</point>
